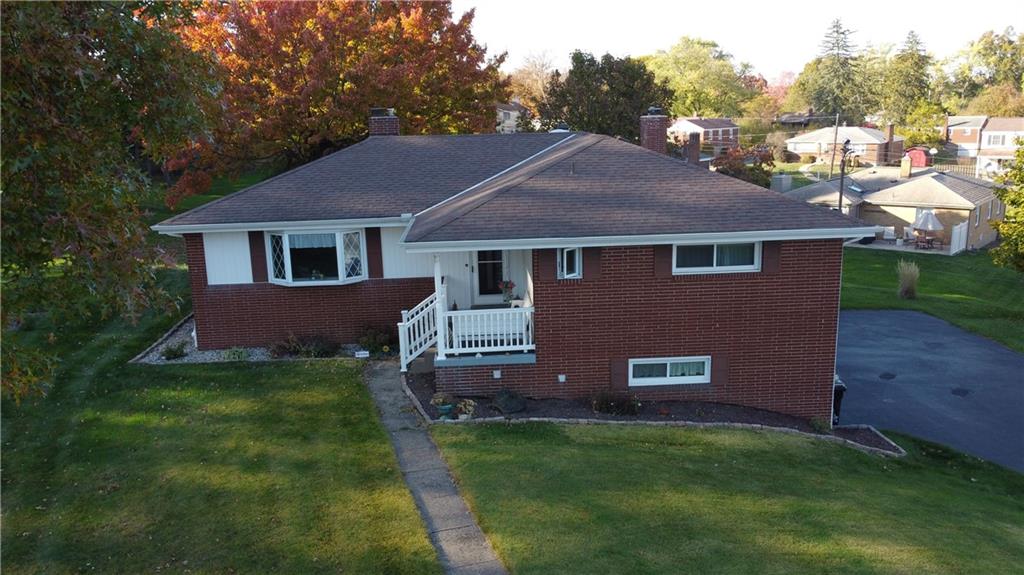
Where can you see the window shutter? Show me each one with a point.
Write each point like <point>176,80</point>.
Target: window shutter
<point>547,265</point>
<point>375,265</point>
<point>258,257</point>
<point>719,369</point>
<point>663,261</point>
<point>618,370</point>
<point>591,263</point>
<point>770,252</point>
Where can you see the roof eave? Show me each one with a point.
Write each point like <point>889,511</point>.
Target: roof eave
<point>179,229</point>
<point>640,240</point>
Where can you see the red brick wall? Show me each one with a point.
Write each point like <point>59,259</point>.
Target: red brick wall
<point>261,313</point>
<point>771,334</point>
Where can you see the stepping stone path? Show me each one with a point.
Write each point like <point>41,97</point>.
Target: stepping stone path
<point>461,546</point>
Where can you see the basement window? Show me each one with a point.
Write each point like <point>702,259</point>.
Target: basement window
<point>570,263</point>
<point>716,258</point>
<point>316,258</point>
<point>670,371</point>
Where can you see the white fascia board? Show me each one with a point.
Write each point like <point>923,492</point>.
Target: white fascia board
<point>655,239</point>
<point>177,230</point>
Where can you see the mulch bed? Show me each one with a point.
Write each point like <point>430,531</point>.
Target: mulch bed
<point>422,386</point>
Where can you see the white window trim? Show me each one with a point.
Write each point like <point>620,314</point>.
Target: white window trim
<point>990,209</point>
<point>756,267</point>
<point>562,275</point>
<point>679,380</point>
<point>977,216</point>
<point>339,237</point>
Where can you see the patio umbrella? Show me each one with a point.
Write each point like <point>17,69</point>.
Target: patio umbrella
<point>927,222</point>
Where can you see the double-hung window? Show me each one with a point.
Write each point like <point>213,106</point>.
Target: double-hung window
<point>570,263</point>
<point>670,370</point>
<point>996,140</point>
<point>716,258</point>
<point>316,258</point>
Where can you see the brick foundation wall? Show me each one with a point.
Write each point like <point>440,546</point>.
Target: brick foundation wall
<point>771,334</point>
<point>258,314</point>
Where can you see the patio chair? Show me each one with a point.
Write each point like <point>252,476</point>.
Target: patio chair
<point>889,233</point>
<point>908,234</point>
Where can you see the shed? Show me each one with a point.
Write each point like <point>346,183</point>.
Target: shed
<point>919,157</point>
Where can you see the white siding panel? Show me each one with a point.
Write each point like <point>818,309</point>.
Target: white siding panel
<point>227,258</point>
<point>400,264</point>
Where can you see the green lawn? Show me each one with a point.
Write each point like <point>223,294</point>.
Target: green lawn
<point>229,468</point>
<point>615,499</point>
<point>967,290</point>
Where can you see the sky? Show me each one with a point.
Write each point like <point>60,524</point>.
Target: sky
<point>774,37</point>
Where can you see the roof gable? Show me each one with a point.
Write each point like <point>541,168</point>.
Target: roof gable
<point>935,190</point>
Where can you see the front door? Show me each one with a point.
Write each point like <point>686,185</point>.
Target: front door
<point>488,273</point>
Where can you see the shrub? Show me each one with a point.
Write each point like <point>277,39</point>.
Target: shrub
<point>439,399</point>
<point>908,273</point>
<point>237,354</point>
<point>819,425</point>
<point>174,351</point>
<point>807,158</point>
<point>305,346</point>
<point>616,403</point>
<point>376,341</point>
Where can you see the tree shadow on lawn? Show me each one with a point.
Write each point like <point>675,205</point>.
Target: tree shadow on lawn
<point>240,468</point>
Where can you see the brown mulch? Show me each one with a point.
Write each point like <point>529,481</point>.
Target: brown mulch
<point>422,386</point>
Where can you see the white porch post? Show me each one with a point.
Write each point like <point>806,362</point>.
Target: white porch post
<point>441,309</point>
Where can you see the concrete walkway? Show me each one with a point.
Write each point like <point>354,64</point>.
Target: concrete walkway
<point>461,545</point>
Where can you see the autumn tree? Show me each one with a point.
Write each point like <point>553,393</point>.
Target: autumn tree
<point>1010,251</point>
<point>991,60</point>
<point>605,96</point>
<point>704,78</point>
<point>999,100</point>
<point>298,78</point>
<point>89,90</point>
<point>921,126</point>
<point>754,166</point>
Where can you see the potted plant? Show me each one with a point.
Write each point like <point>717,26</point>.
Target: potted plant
<point>506,289</point>
<point>444,404</point>
<point>466,407</point>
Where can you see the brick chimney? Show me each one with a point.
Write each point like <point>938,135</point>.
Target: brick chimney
<point>654,130</point>
<point>693,149</point>
<point>945,130</point>
<point>889,131</point>
<point>383,122</point>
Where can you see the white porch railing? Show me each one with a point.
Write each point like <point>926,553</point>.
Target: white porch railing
<point>489,330</point>
<point>418,330</point>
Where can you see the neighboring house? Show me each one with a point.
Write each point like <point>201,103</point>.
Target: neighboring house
<point>998,143</point>
<point>884,197</point>
<point>954,199</point>
<point>802,119</point>
<point>870,145</point>
<point>634,272</point>
<point>508,117</point>
<point>965,133</point>
<point>716,134</point>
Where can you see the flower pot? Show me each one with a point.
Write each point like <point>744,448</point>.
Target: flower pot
<point>445,410</point>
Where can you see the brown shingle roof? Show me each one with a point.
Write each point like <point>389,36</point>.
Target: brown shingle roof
<point>384,176</point>
<point>1005,125</point>
<point>595,186</point>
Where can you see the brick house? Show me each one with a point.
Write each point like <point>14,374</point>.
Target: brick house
<point>558,264</point>
<point>716,134</point>
<point>868,144</point>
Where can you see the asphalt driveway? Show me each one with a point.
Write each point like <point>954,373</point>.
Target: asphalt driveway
<point>911,372</point>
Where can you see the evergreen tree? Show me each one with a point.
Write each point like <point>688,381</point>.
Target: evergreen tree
<point>907,80</point>
<point>835,90</point>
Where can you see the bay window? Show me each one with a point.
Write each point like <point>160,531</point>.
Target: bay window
<point>716,258</point>
<point>316,258</point>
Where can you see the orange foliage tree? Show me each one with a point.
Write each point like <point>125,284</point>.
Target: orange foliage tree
<point>298,79</point>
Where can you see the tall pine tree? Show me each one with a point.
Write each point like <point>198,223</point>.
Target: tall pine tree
<point>835,89</point>
<point>906,80</point>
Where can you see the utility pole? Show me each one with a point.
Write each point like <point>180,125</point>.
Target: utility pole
<point>842,172</point>
<point>835,142</point>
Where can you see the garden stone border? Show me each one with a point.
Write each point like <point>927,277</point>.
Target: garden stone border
<point>898,451</point>
<point>167,335</point>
